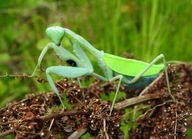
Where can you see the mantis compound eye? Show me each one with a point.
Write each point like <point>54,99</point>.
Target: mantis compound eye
<point>71,62</point>
<point>58,44</point>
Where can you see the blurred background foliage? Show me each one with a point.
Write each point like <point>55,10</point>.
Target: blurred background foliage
<point>145,28</point>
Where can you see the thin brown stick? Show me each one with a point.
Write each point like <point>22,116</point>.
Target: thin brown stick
<point>5,133</point>
<point>152,84</point>
<point>58,115</point>
<point>78,133</point>
<point>136,100</point>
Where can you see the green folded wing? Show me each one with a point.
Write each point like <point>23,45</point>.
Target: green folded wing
<point>130,67</point>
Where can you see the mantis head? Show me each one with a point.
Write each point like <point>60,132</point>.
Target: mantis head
<point>56,34</point>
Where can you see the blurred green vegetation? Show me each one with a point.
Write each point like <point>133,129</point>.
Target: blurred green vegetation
<point>144,28</point>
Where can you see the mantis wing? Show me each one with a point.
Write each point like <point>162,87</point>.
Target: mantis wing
<point>130,67</point>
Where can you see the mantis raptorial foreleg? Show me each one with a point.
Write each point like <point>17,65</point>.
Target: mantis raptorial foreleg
<point>64,71</point>
<point>60,51</point>
<point>82,66</point>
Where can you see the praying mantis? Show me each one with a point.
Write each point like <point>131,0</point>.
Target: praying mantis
<point>130,73</point>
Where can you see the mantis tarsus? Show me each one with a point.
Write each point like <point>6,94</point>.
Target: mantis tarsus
<point>129,72</point>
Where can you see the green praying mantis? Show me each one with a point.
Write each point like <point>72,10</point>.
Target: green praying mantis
<point>131,73</point>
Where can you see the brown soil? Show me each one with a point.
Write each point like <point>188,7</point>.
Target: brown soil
<point>160,117</point>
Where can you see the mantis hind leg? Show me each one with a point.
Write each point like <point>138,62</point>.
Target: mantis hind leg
<point>161,56</point>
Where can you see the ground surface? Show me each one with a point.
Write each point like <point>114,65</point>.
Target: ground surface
<point>157,116</point>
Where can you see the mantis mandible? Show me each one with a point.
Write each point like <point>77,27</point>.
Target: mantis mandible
<point>131,73</point>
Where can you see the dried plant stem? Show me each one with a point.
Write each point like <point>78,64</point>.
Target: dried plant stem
<point>151,85</point>
<point>58,115</point>
<point>5,133</point>
<point>136,100</point>
<point>78,133</point>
